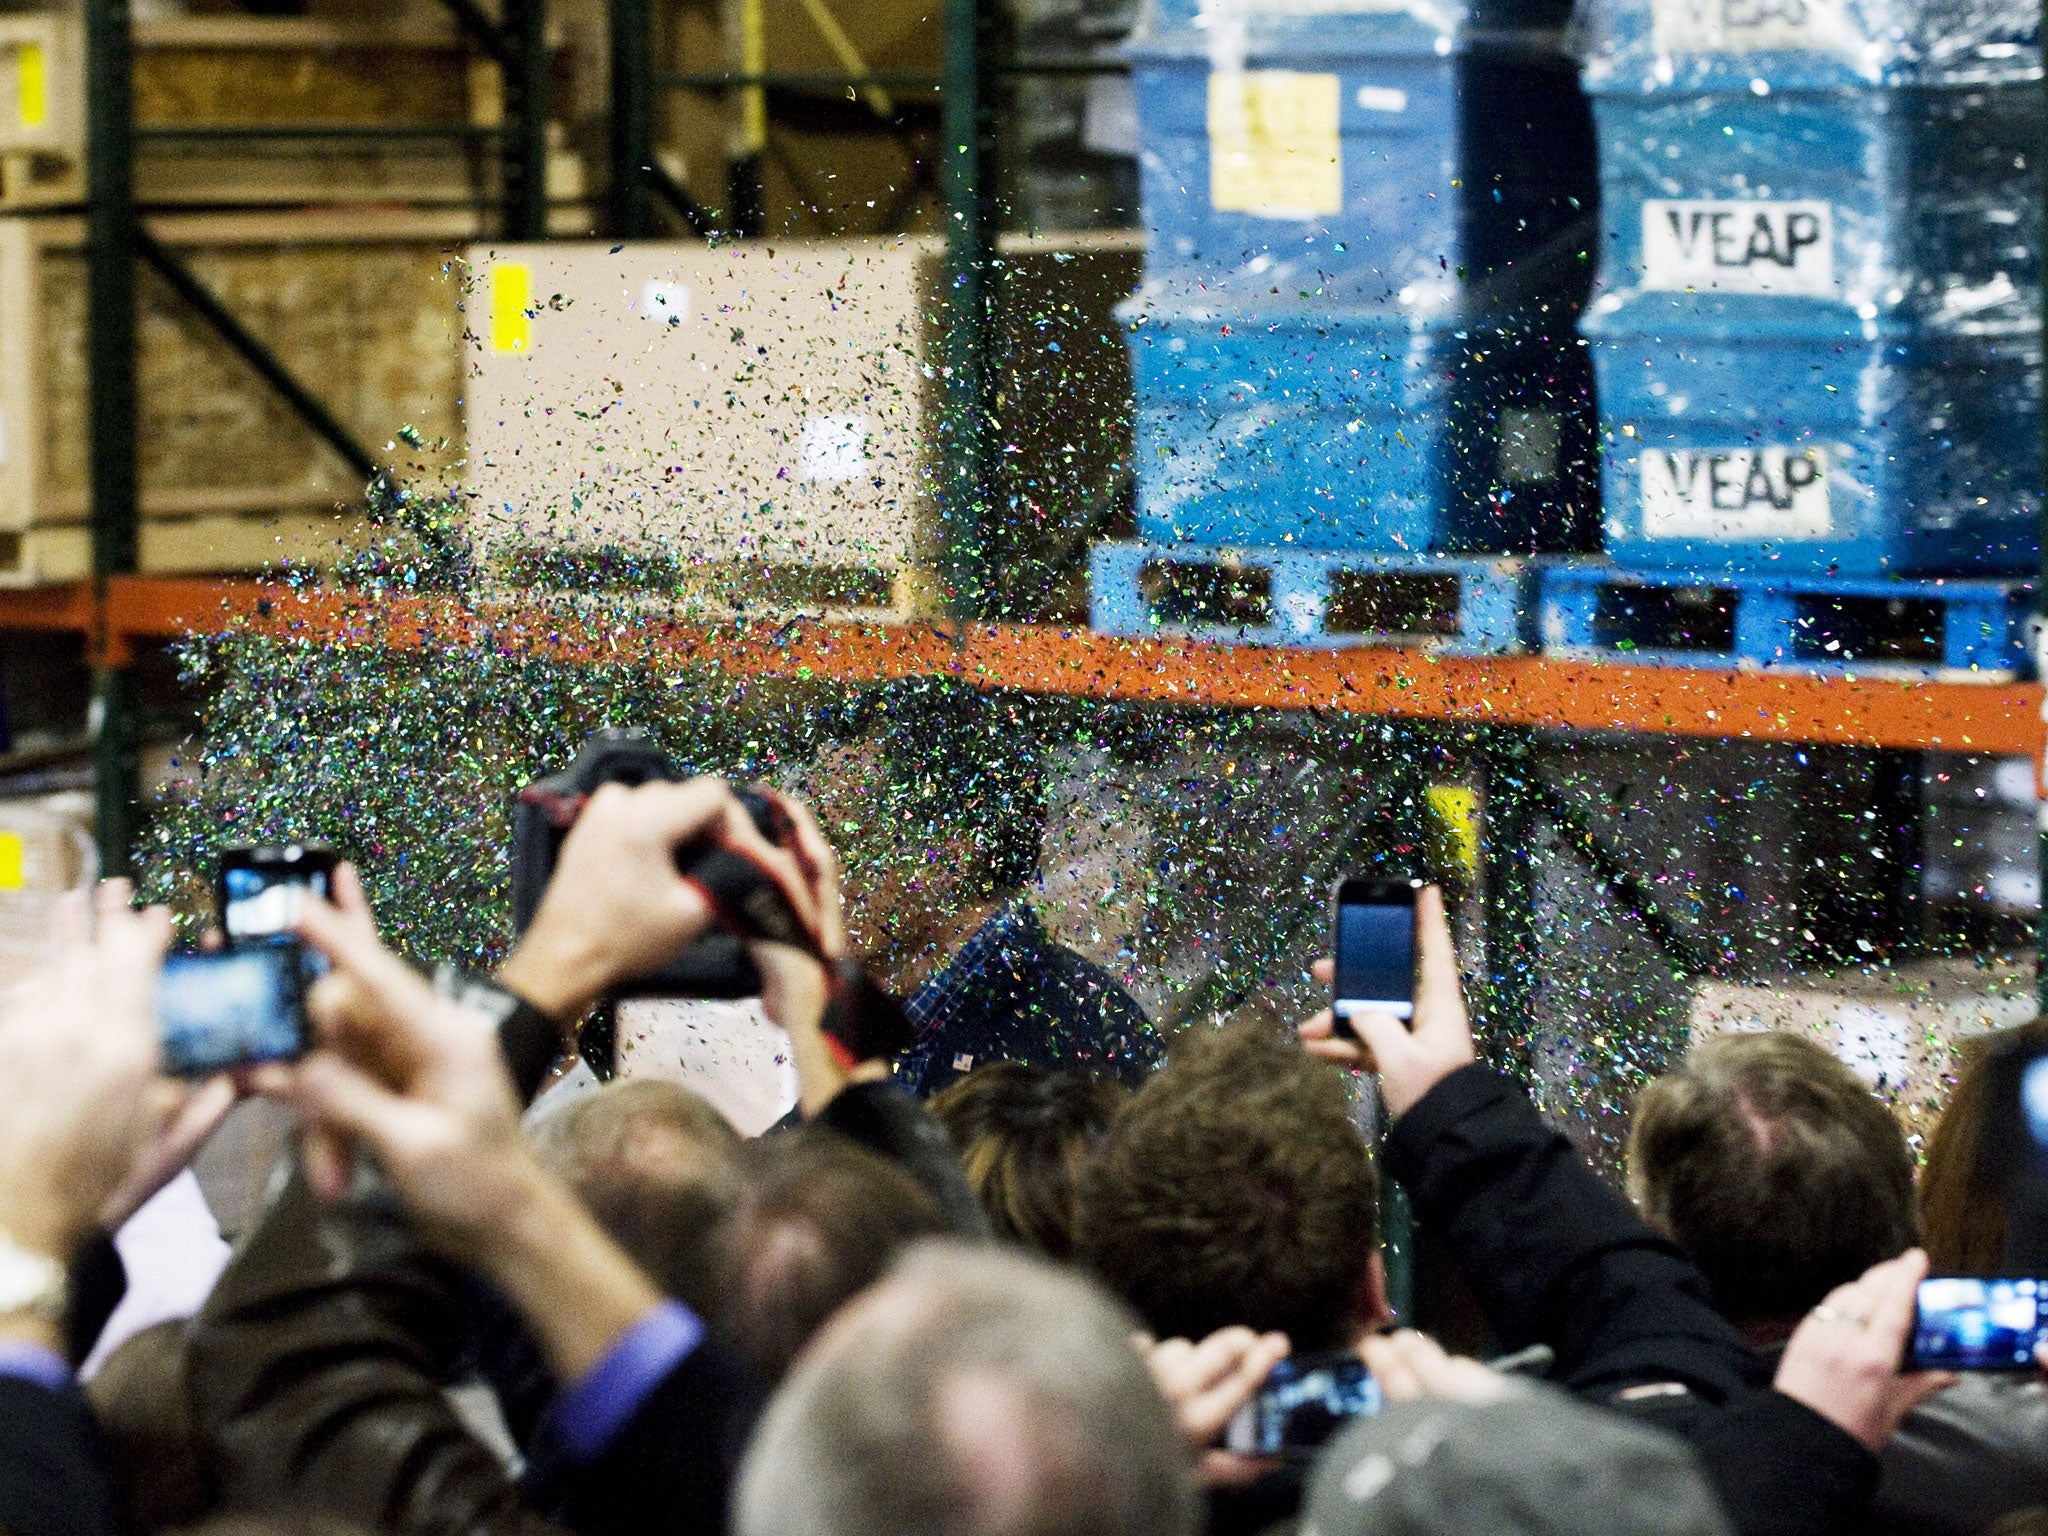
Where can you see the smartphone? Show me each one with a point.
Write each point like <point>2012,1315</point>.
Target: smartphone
<point>1968,1323</point>
<point>1302,1403</point>
<point>1375,948</point>
<point>232,1007</point>
<point>258,890</point>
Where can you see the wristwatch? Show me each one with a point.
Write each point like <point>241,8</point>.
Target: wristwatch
<point>531,1041</point>
<point>32,1282</point>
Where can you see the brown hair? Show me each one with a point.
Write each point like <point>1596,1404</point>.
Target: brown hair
<point>1962,1201</point>
<point>1025,1137</point>
<point>1775,1168</point>
<point>820,1219</point>
<point>1234,1188</point>
<point>659,1168</point>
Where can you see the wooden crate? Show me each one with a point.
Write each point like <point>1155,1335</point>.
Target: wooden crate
<point>237,71</point>
<point>358,305</point>
<point>755,425</point>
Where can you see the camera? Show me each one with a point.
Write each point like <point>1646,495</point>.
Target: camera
<point>232,1007</point>
<point>749,904</point>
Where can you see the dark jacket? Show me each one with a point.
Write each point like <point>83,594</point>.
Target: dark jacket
<point>317,1367</point>
<point>1967,1456</point>
<point>53,1480</point>
<point>1555,1256</point>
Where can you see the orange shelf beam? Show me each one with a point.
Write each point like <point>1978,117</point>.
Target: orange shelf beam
<point>1851,709</point>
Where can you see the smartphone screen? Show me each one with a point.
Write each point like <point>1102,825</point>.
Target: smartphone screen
<point>261,888</point>
<point>1375,948</point>
<point>231,1007</point>
<point>1302,1404</point>
<point>1965,1323</point>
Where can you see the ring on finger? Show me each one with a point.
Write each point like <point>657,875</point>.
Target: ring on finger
<point>1827,1314</point>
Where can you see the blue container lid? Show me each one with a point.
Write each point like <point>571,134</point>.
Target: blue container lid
<point>1681,46</point>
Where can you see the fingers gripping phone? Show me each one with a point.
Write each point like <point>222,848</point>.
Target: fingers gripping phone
<point>258,890</point>
<point>1301,1404</point>
<point>232,1007</point>
<point>1970,1323</point>
<point>1375,949</point>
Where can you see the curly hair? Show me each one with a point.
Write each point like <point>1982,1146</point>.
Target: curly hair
<point>1235,1188</point>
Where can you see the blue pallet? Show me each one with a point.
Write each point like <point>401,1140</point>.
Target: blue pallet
<point>1296,597</point>
<point>1448,175</point>
<point>1346,431</point>
<point>1786,622</point>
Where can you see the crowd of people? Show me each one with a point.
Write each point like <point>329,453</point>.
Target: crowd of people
<point>1028,1306</point>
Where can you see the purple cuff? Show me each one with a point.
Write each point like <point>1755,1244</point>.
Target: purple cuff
<point>35,1363</point>
<point>590,1411</point>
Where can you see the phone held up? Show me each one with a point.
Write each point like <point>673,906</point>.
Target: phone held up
<point>1374,948</point>
<point>246,1002</point>
<point>1302,1403</point>
<point>257,891</point>
<point>232,1007</point>
<point>1973,1323</point>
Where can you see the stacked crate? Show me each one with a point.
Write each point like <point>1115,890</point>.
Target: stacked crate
<point>333,252</point>
<point>1818,343</point>
<point>1354,348</point>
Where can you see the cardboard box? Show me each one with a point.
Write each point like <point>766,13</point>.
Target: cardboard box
<point>758,422</point>
<point>1897,1027</point>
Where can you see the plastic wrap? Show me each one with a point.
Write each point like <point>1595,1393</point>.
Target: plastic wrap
<point>1356,431</point>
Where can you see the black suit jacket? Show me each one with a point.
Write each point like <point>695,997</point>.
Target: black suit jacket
<point>53,1481</point>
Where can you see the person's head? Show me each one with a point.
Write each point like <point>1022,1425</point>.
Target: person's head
<point>974,1392</point>
<point>153,1447</point>
<point>1234,1188</point>
<point>819,1219</point>
<point>1962,1196</point>
<point>1775,1168</point>
<point>658,1167</point>
<point>1025,1136</point>
<point>1534,1463</point>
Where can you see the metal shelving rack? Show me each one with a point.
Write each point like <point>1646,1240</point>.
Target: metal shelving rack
<point>1501,703</point>
<point>117,239</point>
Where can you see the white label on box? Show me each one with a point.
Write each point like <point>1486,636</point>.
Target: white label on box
<point>1739,246</point>
<point>1381,98</point>
<point>1735,493</point>
<point>661,299</point>
<point>833,448</point>
<point>1742,26</point>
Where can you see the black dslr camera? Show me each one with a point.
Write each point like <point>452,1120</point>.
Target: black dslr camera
<point>748,902</point>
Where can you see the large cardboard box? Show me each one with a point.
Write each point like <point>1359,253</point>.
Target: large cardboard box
<point>758,422</point>
<point>1898,1027</point>
<point>665,412</point>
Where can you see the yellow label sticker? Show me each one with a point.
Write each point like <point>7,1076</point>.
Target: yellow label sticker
<point>511,306</point>
<point>1454,823</point>
<point>32,85</point>
<point>1274,149</point>
<point>12,875</point>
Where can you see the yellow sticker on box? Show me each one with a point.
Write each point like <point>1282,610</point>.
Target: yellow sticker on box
<point>1274,148</point>
<point>1454,821</point>
<point>511,306</point>
<point>13,873</point>
<point>32,85</point>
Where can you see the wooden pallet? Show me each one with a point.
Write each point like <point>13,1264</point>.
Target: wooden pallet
<point>216,544</point>
<point>247,72</point>
<point>360,306</point>
<point>1930,627</point>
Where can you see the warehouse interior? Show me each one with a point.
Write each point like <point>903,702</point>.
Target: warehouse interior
<point>1590,459</point>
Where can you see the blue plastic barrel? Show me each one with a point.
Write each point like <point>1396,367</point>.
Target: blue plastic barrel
<point>1398,169</point>
<point>1357,430</point>
<point>1817,340</point>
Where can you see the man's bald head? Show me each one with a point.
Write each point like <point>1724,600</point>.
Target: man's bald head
<point>971,1393</point>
